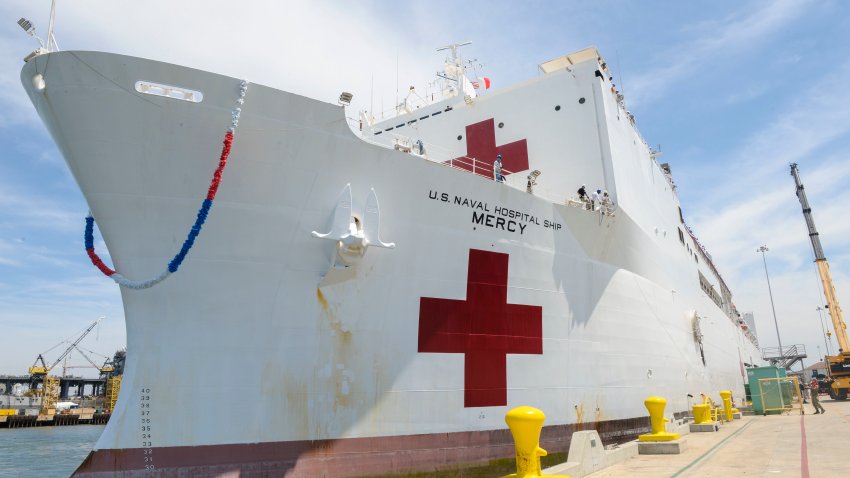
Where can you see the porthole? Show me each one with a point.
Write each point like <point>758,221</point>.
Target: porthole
<point>459,137</point>
<point>501,125</point>
<point>581,101</point>
<point>557,107</point>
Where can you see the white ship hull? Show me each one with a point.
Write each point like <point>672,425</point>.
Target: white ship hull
<point>256,357</point>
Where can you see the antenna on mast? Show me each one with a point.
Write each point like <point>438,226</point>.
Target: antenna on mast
<point>620,73</point>
<point>455,71</point>
<point>396,81</point>
<point>51,40</point>
<point>455,58</point>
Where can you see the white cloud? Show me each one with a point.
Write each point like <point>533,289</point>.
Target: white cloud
<point>737,227</point>
<point>749,93</point>
<point>751,201</point>
<point>41,312</point>
<point>750,197</point>
<point>29,210</point>
<point>712,41</point>
<point>280,44</point>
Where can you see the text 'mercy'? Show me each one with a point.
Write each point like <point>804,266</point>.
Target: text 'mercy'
<point>496,217</point>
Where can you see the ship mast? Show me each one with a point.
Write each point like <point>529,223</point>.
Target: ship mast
<point>455,72</point>
<point>51,40</point>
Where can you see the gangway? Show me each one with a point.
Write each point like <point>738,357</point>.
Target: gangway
<point>786,357</point>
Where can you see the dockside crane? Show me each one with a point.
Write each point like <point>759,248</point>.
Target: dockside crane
<point>838,366</point>
<point>105,369</point>
<point>50,384</point>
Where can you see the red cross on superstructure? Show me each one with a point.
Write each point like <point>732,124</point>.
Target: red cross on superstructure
<point>484,327</point>
<point>481,145</point>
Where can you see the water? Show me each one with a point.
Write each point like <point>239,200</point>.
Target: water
<point>45,451</point>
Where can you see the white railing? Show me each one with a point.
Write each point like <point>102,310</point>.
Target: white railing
<point>441,155</point>
<point>474,166</point>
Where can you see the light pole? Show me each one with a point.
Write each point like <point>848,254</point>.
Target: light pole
<point>764,249</point>
<point>825,341</point>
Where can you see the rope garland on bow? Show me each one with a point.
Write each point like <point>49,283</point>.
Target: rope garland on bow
<point>203,212</point>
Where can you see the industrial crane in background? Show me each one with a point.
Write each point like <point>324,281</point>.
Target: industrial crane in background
<point>50,384</point>
<point>105,369</point>
<point>838,366</point>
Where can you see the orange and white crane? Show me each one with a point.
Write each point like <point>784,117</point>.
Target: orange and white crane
<point>838,366</point>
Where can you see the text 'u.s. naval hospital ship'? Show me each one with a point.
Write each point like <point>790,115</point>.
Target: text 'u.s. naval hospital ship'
<point>380,337</point>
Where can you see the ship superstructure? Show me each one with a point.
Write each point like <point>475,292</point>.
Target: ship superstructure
<point>391,297</point>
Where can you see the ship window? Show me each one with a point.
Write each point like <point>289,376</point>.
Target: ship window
<point>436,113</point>
<point>581,101</point>
<point>411,122</point>
<point>448,108</point>
<point>389,129</point>
<point>399,125</point>
<point>424,117</point>
<point>377,133</point>
<point>681,218</point>
<point>459,137</point>
<point>557,107</point>
<point>681,236</point>
<point>501,125</point>
<point>696,259</point>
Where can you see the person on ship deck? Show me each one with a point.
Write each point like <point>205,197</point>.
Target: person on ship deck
<point>595,198</point>
<point>582,195</point>
<point>497,169</point>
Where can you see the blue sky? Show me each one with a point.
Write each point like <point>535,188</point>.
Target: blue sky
<point>732,91</point>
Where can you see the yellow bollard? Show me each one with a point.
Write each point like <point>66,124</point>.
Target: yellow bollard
<point>525,424</point>
<point>726,395</point>
<point>702,414</point>
<point>656,405</point>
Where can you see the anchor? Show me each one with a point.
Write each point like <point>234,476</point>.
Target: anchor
<point>352,236</point>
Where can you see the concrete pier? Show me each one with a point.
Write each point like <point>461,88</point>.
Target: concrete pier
<point>27,421</point>
<point>773,445</point>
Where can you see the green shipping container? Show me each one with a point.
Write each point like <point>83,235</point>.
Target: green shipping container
<point>773,400</point>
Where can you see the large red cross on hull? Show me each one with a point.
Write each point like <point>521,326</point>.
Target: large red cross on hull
<point>484,327</point>
<point>481,145</point>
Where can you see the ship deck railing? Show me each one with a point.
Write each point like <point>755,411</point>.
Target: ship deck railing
<point>469,164</point>
<point>786,356</point>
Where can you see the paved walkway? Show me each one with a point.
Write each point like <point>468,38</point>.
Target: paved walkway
<point>772,446</point>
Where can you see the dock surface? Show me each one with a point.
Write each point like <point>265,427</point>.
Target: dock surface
<point>765,446</point>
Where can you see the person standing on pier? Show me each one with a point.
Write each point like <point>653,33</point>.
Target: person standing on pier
<point>814,387</point>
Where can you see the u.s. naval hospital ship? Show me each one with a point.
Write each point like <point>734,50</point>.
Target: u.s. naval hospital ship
<point>383,298</point>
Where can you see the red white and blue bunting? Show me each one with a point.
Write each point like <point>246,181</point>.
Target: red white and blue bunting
<point>203,212</point>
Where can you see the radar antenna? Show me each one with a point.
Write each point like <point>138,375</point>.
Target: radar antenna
<point>455,58</point>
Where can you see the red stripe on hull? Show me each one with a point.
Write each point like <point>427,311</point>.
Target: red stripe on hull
<point>340,458</point>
